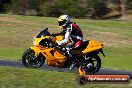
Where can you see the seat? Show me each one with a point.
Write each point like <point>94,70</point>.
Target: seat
<point>84,45</point>
<point>80,49</point>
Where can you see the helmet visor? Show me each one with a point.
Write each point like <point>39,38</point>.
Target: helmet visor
<point>61,22</point>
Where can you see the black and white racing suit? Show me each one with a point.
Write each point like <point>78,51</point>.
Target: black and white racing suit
<point>73,34</point>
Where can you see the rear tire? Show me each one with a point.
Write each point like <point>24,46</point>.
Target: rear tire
<point>96,66</point>
<point>96,69</point>
<point>29,60</point>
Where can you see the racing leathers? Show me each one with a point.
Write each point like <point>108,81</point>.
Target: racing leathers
<point>71,33</point>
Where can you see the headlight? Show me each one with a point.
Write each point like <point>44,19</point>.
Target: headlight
<point>34,42</point>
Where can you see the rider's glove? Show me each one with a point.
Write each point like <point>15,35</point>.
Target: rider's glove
<point>53,35</point>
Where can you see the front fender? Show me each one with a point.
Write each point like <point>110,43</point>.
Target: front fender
<point>36,50</point>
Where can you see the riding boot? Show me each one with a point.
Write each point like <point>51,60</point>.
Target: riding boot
<point>72,58</point>
<point>73,61</point>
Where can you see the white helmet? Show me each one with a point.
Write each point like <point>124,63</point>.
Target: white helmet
<point>63,21</point>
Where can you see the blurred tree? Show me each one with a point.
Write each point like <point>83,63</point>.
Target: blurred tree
<point>49,9</point>
<point>58,7</point>
<point>23,6</point>
<point>100,9</point>
<point>123,8</point>
<point>18,6</point>
<point>69,7</point>
<point>3,4</point>
<point>129,4</point>
<point>96,8</point>
<point>74,8</point>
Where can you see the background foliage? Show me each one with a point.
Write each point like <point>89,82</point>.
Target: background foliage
<point>75,8</point>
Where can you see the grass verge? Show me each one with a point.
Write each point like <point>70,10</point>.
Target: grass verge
<point>36,78</point>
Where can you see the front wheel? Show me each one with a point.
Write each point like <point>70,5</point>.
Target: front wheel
<point>29,59</point>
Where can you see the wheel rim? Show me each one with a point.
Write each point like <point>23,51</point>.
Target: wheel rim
<point>32,61</point>
<point>95,63</point>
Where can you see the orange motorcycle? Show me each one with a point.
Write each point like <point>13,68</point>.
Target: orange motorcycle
<point>43,51</point>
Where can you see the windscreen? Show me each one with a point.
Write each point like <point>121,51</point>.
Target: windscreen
<point>43,33</point>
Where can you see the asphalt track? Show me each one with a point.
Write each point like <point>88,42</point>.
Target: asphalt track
<point>18,64</point>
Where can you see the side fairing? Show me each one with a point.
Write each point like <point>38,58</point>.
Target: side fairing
<point>54,57</point>
<point>93,46</point>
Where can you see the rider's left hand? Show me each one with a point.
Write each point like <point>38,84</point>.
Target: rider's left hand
<point>53,35</point>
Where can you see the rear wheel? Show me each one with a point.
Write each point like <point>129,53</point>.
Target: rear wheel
<point>29,59</point>
<point>92,64</point>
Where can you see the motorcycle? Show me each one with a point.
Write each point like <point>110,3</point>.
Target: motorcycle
<point>43,50</point>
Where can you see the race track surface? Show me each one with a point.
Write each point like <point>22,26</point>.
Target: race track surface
<point>19,64</point>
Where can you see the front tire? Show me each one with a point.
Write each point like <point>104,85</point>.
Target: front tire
<point>29,60</point>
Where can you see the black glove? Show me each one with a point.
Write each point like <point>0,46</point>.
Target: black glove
<point>53,35</point>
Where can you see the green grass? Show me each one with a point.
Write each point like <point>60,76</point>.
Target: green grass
<point>9,53</point>
<point>17,33</point>
<point>35,78</point>
<point>119,27</point>
<point>117,58</point>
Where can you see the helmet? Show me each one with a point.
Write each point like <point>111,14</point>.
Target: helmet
<point>63,21</point>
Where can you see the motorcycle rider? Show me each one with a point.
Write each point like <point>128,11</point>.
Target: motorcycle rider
<point>71,32</point>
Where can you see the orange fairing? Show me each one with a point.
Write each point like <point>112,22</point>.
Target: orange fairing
<point>57,38</point>
<point>37,40</point>
<point>36,50</point>
<point>54,57</point>
<point>93,46</point>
